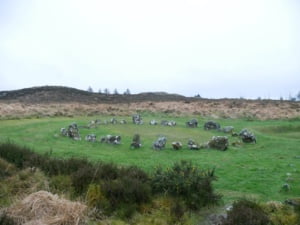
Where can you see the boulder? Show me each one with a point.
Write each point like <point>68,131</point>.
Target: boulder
<point>211,125</point>
<point>113,121</point>
<point>153,122</point>
<point>160,143</point>
<point>219,142</point>
<point>247,136</point>
<point>122,121</point>
<point>193,145</point>
<point>176,145</point>
<point>192,123</point>
<point>111,139</point>
<point>168,123</point>
<point>90,138</point>
<point>94,123</point>
<point>227,129</point>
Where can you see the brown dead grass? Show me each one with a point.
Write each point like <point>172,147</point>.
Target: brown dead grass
<point>41,208</point>
<point>207,108</point>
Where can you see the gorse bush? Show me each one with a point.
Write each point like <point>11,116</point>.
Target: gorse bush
<point>125,195</point>
<point>245,212</point>
<point>126,190</point>
<point>187,182</point>
<point>95,197</point>
<point>282,214</point>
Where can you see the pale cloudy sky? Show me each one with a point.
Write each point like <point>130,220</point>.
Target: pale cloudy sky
<point>217,48</point>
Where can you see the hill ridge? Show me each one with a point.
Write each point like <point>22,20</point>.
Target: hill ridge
<point>62,94</point>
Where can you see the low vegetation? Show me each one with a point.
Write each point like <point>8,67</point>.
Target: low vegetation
<point>109,188</point>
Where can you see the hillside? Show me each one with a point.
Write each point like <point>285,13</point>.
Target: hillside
<point>58,94</point>
<point>64,101</point>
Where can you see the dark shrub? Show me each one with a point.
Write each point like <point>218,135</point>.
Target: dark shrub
<point>126,190</point>
<point>107,171</point>
<point>5,220</point>
<point>15,154</point>
<point>187,182</point>
<point>177,209</point>
<point>245,212</point>
<point>52,167</point>
<point>73,164</point>
<point>60,184</point>
<point>134,172</point>
<point>82,178</point>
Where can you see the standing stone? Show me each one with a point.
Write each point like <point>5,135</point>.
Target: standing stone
<point>137,119</point>
<point>136,141</point>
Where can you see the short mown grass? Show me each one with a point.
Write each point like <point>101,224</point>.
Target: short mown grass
<point>250,170</point>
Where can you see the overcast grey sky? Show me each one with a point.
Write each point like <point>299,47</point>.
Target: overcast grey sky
<point>217,48</point>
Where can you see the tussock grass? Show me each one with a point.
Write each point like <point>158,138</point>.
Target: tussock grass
<point>42,207</point>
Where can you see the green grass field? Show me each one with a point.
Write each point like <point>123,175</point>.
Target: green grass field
<point>255,171</point>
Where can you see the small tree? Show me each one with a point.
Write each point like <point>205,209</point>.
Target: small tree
<point>116,91</point>
<point>127,92</point>
<point>106,91</point>
<point>90,89</point>
<point>298,96</point>
<point>100,91</point>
